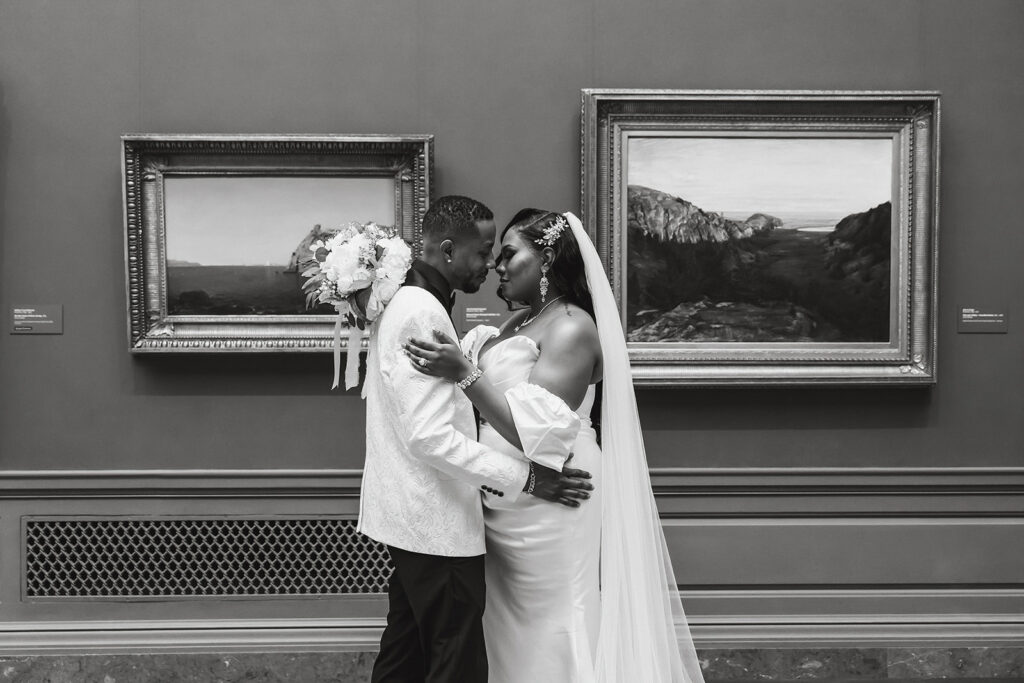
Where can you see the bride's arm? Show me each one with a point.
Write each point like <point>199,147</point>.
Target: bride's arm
<point>446,360</point>
<point>569,353</point>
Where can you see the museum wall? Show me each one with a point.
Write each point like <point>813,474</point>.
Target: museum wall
<point>498,84</point>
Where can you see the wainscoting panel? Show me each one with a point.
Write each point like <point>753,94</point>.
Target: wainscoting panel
<point>219,561</point>
<point>847,552</point>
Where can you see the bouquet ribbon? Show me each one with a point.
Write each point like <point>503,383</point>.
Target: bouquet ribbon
<point>355,338</point>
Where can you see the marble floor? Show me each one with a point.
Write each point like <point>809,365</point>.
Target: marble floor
<point>895,665</point>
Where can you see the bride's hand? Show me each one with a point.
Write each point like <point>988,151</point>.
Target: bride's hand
<point>439,358</point>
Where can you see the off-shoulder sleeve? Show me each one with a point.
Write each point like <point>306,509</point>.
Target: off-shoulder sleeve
<point>475,339</point>
<point>547,427</point>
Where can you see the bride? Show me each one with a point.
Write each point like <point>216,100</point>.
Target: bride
<point>583,592</point>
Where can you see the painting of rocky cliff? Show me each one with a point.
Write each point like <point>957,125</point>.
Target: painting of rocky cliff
<point>758,240</point>
<point>234,243</point>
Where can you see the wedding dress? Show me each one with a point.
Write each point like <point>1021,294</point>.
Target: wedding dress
<point>589,593</point>
<point>543,594</point>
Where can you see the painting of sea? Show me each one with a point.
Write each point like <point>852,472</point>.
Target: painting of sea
<point>236,243</point>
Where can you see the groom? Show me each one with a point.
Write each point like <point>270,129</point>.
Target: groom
<point>425,470</point>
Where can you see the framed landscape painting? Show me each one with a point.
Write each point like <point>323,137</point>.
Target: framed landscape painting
<point>217,229</point>
<point>762,237</point>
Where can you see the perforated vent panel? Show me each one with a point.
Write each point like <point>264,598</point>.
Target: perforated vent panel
<point>140,558</point>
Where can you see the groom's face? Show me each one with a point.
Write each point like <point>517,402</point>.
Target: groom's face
<point>473,257</point>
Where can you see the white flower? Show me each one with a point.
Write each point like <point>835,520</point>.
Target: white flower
<point>362,278</point>
<point>341,263</point>
<point>356,257</point>
<point>343,284</point>
<point>380,294</point>
<point>396,259</point>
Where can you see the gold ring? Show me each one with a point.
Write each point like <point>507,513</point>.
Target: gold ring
<point>422,362</point>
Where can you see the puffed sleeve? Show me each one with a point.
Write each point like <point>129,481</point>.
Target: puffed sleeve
<point>475,339</point>
<point>547,427</point>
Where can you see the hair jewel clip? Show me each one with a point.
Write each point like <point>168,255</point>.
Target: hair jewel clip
<point>553,231</point>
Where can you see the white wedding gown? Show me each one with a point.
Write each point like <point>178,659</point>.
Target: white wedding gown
<point>543,559</point>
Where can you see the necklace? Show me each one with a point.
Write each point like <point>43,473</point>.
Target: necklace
<point>534,317</point>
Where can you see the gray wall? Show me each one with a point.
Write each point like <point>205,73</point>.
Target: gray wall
<point>498,83</point>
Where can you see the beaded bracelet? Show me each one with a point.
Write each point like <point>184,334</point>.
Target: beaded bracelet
<point>469,379</point>
<point>532,481</point>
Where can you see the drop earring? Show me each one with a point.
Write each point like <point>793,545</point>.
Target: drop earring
<point>543,282</point>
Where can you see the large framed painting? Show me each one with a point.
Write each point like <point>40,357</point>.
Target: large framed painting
<point>217,228</point>
<point>763,237</point>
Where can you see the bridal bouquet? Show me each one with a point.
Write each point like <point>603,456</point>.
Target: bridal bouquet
<point>357,257</point>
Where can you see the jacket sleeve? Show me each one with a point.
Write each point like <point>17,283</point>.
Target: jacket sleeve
<point>427,405</point>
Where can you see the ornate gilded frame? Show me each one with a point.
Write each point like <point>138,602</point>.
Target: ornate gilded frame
<point>149,160</point>
<point>910,119</point>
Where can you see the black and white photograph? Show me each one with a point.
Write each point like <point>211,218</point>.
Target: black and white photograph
<point>511,342</point>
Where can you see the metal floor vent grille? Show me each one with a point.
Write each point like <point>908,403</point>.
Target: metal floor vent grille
<point>143,558</point>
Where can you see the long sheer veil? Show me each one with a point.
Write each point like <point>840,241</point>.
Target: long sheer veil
<point>644,635</point>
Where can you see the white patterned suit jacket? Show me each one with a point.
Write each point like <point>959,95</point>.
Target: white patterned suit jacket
<point>424,468</point>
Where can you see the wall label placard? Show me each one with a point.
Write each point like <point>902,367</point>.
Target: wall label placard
<point>484,315</point>
<point>981,320</point>
<point>37,319</point>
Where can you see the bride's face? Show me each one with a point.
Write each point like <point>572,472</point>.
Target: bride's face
<point>518,268</point>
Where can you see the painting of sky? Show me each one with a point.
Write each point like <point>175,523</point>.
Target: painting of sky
<point>250,221</point>
<point>774,175</point>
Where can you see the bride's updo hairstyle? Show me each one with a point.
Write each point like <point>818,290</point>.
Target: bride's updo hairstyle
<point>567,272</point>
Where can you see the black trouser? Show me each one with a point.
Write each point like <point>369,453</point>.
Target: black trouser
<point>434,632</point>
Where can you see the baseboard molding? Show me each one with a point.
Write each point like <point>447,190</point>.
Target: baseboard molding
<point>860,631</point>
<point>131,637</point>
<point>352,635</point>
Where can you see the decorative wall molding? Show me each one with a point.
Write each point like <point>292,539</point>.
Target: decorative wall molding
<point>668,482</point>
<point>36,484</point>
<point>839,492</point>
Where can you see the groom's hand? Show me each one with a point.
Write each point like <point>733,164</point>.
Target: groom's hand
<point>567,487</point>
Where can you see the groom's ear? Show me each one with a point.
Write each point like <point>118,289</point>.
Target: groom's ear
<point>447,249</point>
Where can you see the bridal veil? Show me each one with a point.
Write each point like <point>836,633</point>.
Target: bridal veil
<point>644,635</point>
